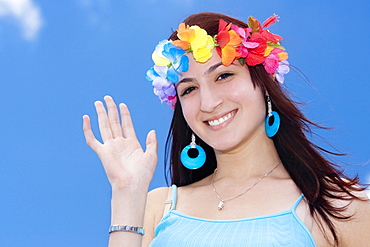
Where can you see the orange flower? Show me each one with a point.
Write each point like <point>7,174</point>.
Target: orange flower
<point>185,33</point>
<point>229,41</point>
<point>183,44</point>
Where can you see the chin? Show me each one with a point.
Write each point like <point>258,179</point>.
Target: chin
<point>224,147</point>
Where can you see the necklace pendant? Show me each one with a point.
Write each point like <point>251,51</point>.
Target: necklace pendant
<point>221,205</point>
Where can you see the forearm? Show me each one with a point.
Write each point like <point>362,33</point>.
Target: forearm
<point>128,208</point>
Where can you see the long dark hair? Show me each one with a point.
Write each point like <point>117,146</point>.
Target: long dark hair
<point>319,179</point>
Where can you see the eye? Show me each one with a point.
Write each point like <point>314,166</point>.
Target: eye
<point>187,90</point>
<point>224,76</point>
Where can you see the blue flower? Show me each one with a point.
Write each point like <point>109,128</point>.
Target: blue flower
<point>171,62</point>
<point>178,61</point>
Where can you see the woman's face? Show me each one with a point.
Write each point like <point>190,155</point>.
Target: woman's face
<point>220,104</point>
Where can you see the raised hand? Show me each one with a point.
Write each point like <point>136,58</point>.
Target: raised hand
<point>125,162</point>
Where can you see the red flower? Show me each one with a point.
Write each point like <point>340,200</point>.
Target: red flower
<point>256,55</point>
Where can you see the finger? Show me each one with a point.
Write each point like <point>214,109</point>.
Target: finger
<point>104,126</point>
<point>127,126</point>
<point>89,135</point>
<point>151,143</point>
<point>113,117</point>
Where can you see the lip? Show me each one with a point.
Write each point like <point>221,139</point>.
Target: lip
<point>220,118</point>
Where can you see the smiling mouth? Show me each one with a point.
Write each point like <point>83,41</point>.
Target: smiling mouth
<point>221,120</point>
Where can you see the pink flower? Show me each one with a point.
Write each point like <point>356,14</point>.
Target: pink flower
<point>271,62</point>
<point>244,34</point>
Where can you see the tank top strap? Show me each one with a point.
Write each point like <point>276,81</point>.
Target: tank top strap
<point>295,205</point>
<point>170,203</point>
<point>174,196</point>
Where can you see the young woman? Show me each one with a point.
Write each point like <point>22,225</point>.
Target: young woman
<point>249,176</point>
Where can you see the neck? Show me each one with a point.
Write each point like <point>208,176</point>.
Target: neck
<point>249,160</point>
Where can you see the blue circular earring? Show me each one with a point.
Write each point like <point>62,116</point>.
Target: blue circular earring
<point>193,155</point>
<point>272,129</point>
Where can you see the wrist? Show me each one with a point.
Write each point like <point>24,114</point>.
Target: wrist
<point>128,205</point>
<point>128,183</point>
<point>120,187</point>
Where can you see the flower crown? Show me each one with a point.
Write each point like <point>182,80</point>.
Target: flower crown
<point>252,46</point>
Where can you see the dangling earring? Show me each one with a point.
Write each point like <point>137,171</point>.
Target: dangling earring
<point>272,129</point>
<point>193,155</point>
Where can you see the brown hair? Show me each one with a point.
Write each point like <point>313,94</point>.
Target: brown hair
<point>319,179</point>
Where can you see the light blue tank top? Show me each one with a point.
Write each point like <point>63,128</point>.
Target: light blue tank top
<point>280,229</point>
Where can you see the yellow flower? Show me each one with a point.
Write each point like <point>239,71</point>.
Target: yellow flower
<point>268,50</point>
<point>196,39</point>
<point>202,44</point>
<point>157,55</point>
<point>203,54</point>
<point>159,60</point>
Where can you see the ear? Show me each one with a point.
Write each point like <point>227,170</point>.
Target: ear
<point>266,92</point>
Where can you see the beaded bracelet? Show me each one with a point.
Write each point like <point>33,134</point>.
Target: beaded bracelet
<point>126,228</point>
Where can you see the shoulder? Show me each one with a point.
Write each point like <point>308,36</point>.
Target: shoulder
<point>158,194</point>
<point>356,230</point>
<point>156,200</point>
<point>155,204</point>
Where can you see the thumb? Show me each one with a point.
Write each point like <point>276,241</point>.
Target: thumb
<point>151,142</point>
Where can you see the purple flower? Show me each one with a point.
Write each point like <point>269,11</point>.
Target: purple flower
<point>282,69</point>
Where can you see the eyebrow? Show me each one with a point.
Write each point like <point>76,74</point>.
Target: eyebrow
<point>207,72</point>
<point>212,68</point>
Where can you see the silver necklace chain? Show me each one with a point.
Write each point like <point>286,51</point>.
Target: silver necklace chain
<point>221,205</point>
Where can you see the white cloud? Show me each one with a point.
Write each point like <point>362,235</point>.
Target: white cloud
<point>26,13</point>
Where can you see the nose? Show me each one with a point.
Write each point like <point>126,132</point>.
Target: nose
<point>209,99</point>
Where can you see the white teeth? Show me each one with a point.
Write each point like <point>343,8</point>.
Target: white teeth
<point>220,120</point>
<point>213,123</point>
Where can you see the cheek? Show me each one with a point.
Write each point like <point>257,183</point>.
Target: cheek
<point>242,92</point>
<point>251,98</point>
<point>190,107</point>
<point>188,112</point>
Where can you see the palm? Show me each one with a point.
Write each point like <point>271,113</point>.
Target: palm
<point>124,160</point>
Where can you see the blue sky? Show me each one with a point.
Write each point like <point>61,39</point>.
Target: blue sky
<point>58,57</point>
